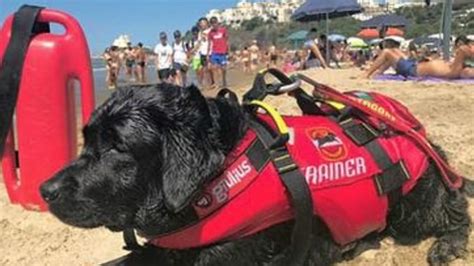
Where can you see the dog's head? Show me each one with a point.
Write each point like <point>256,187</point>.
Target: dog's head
<point>145,148</point>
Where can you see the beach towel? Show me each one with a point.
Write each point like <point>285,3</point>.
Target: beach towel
<point>395,77</point>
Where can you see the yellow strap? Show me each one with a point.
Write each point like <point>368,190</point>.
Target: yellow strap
<point>277,118</point>
<point>336,105</point>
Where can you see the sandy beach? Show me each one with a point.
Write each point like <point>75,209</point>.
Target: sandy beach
<point>446,109</point>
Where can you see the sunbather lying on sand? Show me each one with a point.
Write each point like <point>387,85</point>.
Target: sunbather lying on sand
<point>392,56</point>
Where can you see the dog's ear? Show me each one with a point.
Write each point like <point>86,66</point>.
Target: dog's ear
<point>189,158</point>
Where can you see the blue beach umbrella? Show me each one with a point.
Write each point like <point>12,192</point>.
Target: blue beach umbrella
<point>316,10</point>
<point>336,38</point>
<point>390,20</point>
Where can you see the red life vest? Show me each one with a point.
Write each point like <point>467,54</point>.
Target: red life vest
<point>340,174</point>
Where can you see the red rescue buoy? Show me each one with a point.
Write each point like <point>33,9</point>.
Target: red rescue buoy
<point>43,138</point>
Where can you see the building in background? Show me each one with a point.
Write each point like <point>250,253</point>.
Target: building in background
<point>281,10</point>
<point>278,11</point>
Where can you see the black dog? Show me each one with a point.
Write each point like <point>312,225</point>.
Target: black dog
<point>149,150</point>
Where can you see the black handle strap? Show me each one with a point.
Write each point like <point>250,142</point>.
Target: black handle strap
<point>260,90</point>
<point>298,191</point>
<point>24,27</point>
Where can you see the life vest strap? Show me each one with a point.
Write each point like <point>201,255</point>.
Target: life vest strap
<point>298,190</point>
<point>390,181</point>
<point>360,133</point>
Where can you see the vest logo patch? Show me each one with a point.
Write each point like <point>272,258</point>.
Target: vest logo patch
<point>204,201</point>
<point>328,144</point>
<point>232,178</point>
<point>333,171</point>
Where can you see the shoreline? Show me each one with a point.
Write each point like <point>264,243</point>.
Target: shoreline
<point>31,238</point>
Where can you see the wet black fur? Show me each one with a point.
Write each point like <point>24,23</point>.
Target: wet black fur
<point>148,151</point>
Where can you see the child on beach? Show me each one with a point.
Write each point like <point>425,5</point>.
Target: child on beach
<point>193,47</point>
<point>206,73</point>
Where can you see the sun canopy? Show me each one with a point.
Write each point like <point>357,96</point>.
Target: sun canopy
<point>355,42</point>
<point>389,20</point>
<point>428,41</point>
<point>297,36</point>
<point>336,37</point>
<point>313,10</point>
<point>373,33</point>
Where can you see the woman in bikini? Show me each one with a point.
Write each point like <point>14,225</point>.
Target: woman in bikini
<point>392,56</point>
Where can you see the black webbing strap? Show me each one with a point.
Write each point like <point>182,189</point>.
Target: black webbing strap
<point>24,27</point>
<point>300,195</point>
<point>393,175</point>
<point>131,243</point>
<point>361,133</point>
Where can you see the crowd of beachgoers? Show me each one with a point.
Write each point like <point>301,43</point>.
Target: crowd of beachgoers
<point>205,53</point>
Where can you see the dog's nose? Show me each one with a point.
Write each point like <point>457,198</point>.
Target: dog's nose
<point>50,191</point>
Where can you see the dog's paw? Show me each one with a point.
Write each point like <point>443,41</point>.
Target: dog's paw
<point>444,251</point>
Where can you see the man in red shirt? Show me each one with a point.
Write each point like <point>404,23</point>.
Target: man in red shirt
<point>218,38</point>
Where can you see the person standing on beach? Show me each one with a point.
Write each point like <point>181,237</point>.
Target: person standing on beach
<point>205,73</point>
<point>193,47</point>
<point>141,58</point>
<point>180,59</point>
<point>129,62</point>
<point>164,58</point>
<point>111,59</point>
<point>218,38</point>
<point>254,55</point>
<point>273,57</point>
<point>246,60</point>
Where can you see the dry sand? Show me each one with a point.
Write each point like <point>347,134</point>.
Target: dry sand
<point>30,238</point>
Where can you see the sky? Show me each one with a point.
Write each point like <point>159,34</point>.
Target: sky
<point>142,20</point>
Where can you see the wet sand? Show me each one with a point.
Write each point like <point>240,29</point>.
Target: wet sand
<point>30,238</point>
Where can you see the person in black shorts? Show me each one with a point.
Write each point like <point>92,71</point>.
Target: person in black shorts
<point>141,58</point>
<point>164,58</point>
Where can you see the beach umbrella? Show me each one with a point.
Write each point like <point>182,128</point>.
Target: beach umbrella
<point>394,32</point>
<point>427,41</point>
<point>355,42</point>
<point>297,37</point>
<point>316,10</point>
<point>336,38</point>
<point>375,41</point>
<point>398,39</point>
<point>390,20</point>
<point>368,33</point>
<point>373,33</point>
